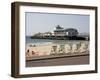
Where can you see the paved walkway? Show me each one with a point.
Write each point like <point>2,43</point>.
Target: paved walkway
<point>63,60</point>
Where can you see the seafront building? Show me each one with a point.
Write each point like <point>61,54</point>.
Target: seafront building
<point>60,31</point>
<point>65,32</point>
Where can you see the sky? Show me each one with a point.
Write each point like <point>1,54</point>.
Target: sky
<point>44,22</point>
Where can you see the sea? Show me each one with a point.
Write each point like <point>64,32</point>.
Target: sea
<point>47,41</point>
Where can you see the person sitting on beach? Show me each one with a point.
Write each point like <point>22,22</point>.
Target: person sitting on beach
<point>33,52</point>
<point>32,45</point>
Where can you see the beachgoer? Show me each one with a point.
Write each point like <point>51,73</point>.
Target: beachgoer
<point>33,52</point>
<point>27,53</point>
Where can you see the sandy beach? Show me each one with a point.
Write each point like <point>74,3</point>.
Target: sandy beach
<point>56,49</point>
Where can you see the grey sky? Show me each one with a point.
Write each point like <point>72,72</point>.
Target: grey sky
<point>44,22</point>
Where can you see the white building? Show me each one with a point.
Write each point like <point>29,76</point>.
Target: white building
<point>65,32</point>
